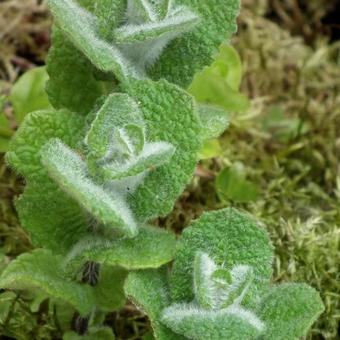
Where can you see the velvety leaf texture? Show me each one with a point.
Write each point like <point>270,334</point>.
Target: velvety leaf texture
<point>37,129</point>
<point>170,116</point>
<point>43,270</point>
<point>70,172</point>
<point>191,52</point>
<point>110,14</point>
<point>230,238</point>
<point>147,32</point>
<point>289,310</point>
<point>204,288</point>
<point>81,27</point>
<point>131,48</point>
<point>72,84</point>
<point>109,291</point>
<point>117,111</point>
<point>199,324</point>
<point>214,121</point>
<point>150,292</point>
<point>104,164</point>
<point>52,218</point>
<point>151,248</point>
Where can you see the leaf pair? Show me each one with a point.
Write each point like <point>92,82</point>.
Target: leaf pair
<point>152,151</point>
<point>117,143</point>
<point>124,39</point>
<point>217,310</point>
<point>217,288</point>
<point>150,27</point>
<point>134,45</point>
<point>202,300</point>
<point>67,169</point>
<point>119,152</point>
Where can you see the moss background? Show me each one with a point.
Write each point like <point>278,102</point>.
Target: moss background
<point>288,142</point>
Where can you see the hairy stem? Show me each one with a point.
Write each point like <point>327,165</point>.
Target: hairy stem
<point>80,323</point>
<point>91,273</point>
<point>90,276</point>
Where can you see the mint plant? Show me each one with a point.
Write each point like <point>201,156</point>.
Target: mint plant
<point>219,286</point>
<point>114,153</point>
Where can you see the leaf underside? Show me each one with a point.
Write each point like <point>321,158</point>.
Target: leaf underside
<point>70,172</point>
<point>43,270</point>
<point>151,248</point>
<point>199,324</point>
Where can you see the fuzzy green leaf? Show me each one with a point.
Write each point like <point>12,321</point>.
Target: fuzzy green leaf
<point>170,117</point>
<point>43,270</point>
<point>231,238</point>
<point>289,310</point>
<point>82,29</point>
<point>109,14</point>
<point>70,172</point>
<point>138,11</point>
<point>117,111</point>
<point>151,248</point>
<point>141,11</point>
<point>109,291</point>
<point>217,288</point>
<point>191,52</point>
<point>173,25</point>
<point>133,137</point>
<point>152,156</point>
<point>28,93</point>
<point>72,84</point>
<point>150,27</point>
<point>233,323</point>
<point>205,290</point>
<point>242,277</point>
<point>37,129</point>
<point>214,121</point>
<point>149,291</point>
<point>51,217</point>
<point>117,141</point>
